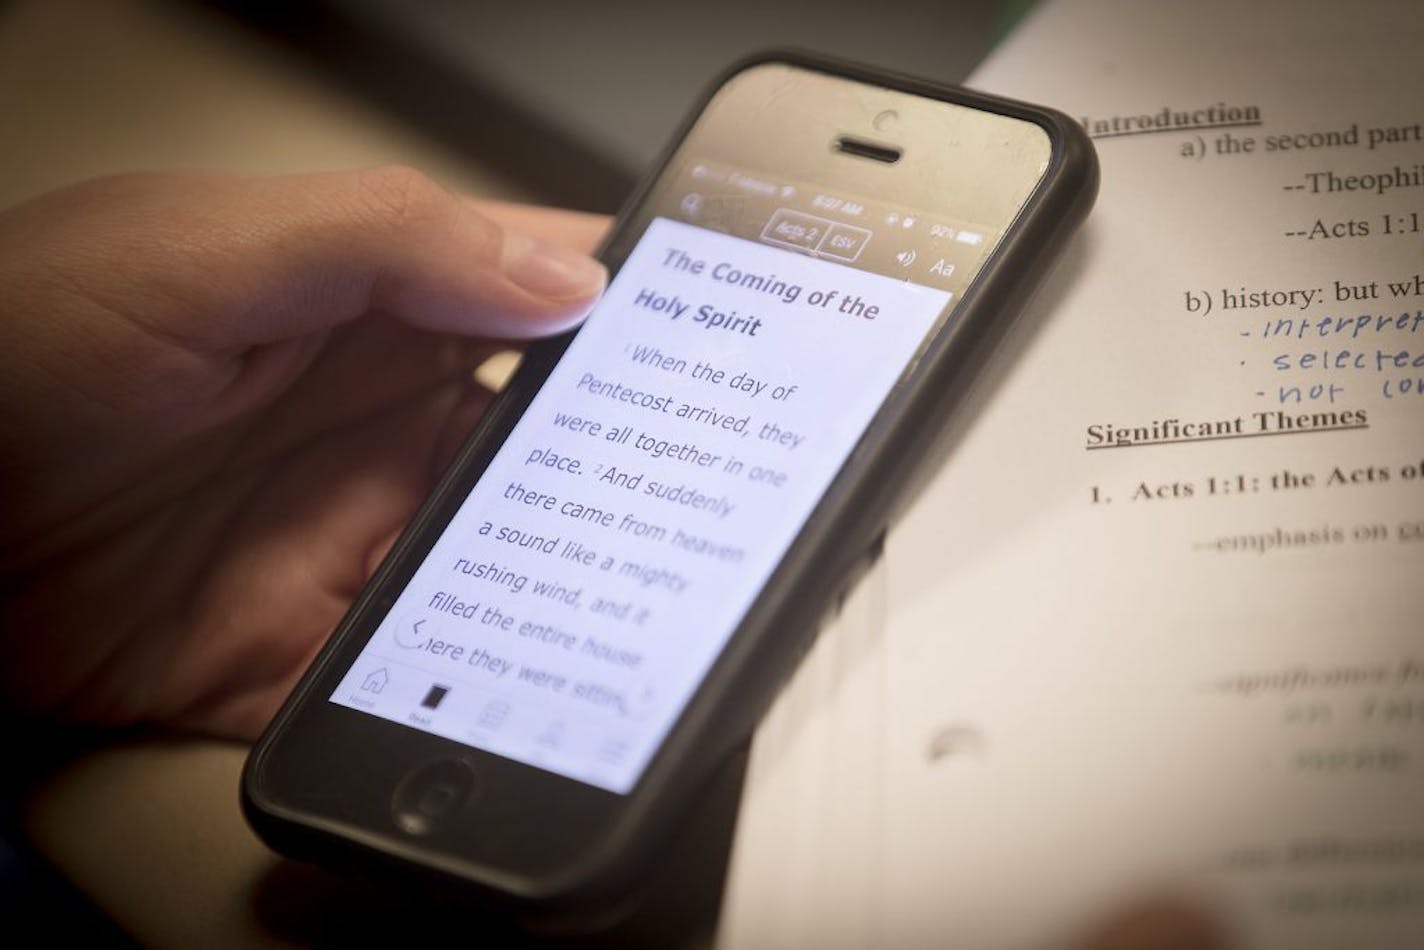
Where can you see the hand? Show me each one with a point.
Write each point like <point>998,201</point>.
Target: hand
<point>220,400</point>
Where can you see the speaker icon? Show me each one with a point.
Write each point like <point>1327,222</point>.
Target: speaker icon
<point>906,258</point>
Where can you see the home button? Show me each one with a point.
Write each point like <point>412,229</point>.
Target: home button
<point>431,795</point>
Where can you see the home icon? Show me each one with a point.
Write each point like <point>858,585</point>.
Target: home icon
<point>376,681</point>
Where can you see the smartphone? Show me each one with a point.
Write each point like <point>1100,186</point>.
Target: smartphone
<point>635,547</point>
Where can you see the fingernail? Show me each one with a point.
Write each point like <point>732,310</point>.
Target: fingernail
<point>550,270</point>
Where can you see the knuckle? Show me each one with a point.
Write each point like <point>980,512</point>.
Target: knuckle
<point>409,201</point>
<point>404,196</point>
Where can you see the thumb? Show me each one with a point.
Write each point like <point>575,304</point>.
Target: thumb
<point>337,245</point>
<point>251,261</point>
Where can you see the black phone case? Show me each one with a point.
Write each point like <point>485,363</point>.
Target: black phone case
<point>900,447</point>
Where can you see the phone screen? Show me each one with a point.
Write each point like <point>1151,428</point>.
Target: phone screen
<point>569,610</point>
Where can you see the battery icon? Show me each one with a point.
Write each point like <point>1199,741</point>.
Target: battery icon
<point>969,237</point>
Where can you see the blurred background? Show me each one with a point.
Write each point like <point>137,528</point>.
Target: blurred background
<point>112,838</point>
<point>560,100</point>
